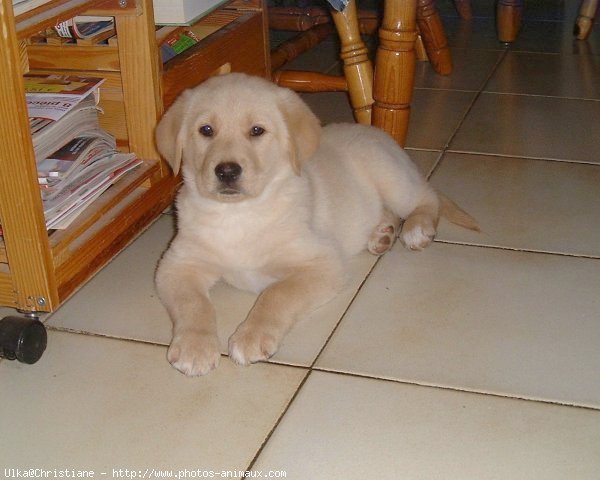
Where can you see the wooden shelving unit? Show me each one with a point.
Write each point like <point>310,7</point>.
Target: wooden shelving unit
<point>39,270</point>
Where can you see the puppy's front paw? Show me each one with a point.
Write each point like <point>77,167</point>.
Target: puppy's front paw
<point>194,354</point>
<point>251,345</point>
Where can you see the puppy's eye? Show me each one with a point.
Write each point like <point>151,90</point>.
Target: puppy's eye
<point>206,130</point>
<point>256,131</point>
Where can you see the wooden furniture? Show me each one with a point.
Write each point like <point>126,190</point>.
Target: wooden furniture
<point>509,15</point>
<point>585,20</point>
<point>40,270</point>
<point>379,94</point>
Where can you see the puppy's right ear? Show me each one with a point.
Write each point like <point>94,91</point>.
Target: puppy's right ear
<point>170,131</point>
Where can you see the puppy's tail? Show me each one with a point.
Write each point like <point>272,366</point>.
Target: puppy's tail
<point>454,214</point>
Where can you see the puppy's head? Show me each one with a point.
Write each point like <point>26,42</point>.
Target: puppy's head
<point>235,134</point>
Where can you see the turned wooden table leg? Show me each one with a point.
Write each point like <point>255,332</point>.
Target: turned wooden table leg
<point>508,19</point>
<point>395,68</point>
<point>585,20</point>
<point>357,66</point>
<point>434,37</point>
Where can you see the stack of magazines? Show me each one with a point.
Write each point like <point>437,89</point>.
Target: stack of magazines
<point>76,160</point>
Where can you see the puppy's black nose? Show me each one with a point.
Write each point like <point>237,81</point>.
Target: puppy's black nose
<point>228,172</point>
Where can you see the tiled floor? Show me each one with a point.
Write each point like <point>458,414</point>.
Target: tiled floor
<point>478,358</point>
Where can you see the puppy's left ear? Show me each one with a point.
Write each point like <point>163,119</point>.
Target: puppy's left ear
<point>304,128</point>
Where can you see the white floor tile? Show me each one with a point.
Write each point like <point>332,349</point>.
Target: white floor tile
<point>356,428</point>
<point>434,117</point>
<point>531,126</point>
<point>574,76</point>
<point>120,301</point>
<point>487,320</point>
<point>97,403</point>
<point>471,69</point>
<point>523,204</point>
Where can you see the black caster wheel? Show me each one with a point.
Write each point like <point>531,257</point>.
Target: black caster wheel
<point>23,339</point>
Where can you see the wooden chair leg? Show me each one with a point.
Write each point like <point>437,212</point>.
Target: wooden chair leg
<point>420,50</point>
<point>434,37</point>
<point>357,66</point>
<point>463,7</point>
<point>585,20</point>
<point>508,19</point>
<point>395,68</point>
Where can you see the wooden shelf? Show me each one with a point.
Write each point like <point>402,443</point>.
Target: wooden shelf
<point>40,270</point>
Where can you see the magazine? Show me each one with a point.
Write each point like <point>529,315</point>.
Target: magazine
<point>75,156</point>
<point>22,6</point>
<point>76,160</point>
<point>53,135</point>
<point>84,26</point>
<point>63,206</point>
<point>50,97</point>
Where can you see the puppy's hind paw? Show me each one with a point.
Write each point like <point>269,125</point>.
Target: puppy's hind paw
<point>383,237</point>
<point>194,355</point>
<point>418,237</point>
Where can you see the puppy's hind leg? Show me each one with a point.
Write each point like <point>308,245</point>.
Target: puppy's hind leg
<point>383,237</point>
<point>420,226</point>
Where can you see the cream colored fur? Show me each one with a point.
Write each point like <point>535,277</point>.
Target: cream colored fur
<point>307,199</point>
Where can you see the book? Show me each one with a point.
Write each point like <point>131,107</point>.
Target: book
<point>175,40</point>
<point>183,12</point>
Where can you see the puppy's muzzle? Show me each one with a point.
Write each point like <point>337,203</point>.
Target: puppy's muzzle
<point>228,174</point>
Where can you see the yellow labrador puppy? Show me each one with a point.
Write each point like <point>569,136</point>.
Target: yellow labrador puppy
<point>273,203</point>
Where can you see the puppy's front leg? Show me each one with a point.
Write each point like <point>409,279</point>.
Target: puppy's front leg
<point>194,348</point>
<point>278,308</point>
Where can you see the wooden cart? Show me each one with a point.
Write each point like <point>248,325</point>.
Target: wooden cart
<point>39,270</point>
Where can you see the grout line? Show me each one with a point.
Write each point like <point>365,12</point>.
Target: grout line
<point>517,249</point>
<point>309,369</point>
<point>455,389</point>
<point>103,335</point>
<point>539,95</point>
<point>446,146</point>
<point>343,314</point>
<point>277,422</point>
<point>434,166</point>
<point>523,157</point>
